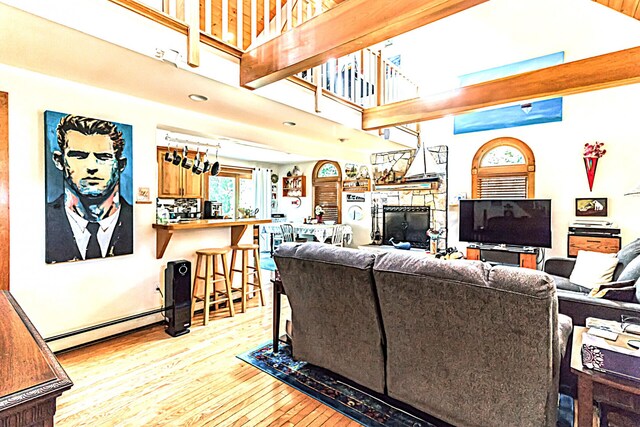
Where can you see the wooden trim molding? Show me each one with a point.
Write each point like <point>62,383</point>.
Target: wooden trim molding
<point>318,182</point>
<point>153,14</point>
<point>341,30</point>
<point>5,230</point>
<point>585,75</point>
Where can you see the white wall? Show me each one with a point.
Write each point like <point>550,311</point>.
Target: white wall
<point>607,116</point>
<point>67,296</point>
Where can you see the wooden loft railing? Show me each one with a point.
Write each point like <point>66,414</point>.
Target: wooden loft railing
<point>237,23</point>
<point>363,79</point>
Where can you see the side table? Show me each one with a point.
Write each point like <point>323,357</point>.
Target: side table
<point>604,388</point>
<point>278,292</point>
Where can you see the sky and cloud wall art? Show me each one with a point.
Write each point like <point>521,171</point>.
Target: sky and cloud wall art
<point>527,113</point>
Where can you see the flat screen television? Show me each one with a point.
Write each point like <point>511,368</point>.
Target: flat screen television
<point>516,222</point>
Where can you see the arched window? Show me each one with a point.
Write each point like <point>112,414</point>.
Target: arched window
<point>327,189</point>
<point>503,168</point>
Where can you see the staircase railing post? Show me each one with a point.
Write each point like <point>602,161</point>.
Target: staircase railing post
<point>191,10</point>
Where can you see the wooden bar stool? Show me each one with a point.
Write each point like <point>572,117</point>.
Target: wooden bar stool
<point>209,279</point>
<point>247,270</point>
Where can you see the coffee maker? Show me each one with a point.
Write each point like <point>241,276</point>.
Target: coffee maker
<point>212,210</point>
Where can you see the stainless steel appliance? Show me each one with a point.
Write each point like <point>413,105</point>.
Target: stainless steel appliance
<point>212,210</point>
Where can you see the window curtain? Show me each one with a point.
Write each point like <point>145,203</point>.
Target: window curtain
<point>262,192</point>
<point>262,199</point>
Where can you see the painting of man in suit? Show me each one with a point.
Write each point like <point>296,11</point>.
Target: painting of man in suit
<point>89,188</point>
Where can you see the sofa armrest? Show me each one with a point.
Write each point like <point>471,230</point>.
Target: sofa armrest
<point>559,266</point>
<point>580,306</point>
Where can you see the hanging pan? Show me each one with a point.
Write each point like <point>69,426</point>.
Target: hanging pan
<point>197,164</point>
<point>186,161</point>
<point>206,165</point>
<point>168,156</point>
<point>215,168</point>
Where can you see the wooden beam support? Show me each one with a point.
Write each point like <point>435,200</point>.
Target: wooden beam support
<point>344,29</point>
<point>599,72</point>
<point>5,231</point>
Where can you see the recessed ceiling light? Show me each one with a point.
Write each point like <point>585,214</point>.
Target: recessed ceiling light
<point>289,123</point>
<point>198,98</point>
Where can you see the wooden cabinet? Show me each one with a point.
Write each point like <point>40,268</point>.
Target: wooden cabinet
<point>294,186</point>
<point>176,181</point>
<point>523,259</point>
<point>356,185</point>
<point>592,243</point>
<point>31,379</point>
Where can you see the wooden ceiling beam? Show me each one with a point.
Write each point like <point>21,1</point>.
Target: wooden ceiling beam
<point>350,26</point>
<point>599,72</point>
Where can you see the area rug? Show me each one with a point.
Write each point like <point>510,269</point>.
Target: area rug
<point>358,405</point>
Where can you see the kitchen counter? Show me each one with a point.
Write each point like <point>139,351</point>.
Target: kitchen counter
<point>164,232</point>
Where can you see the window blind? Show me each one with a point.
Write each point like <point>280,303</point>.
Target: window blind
<point>326,195</point>
<point>495,187</point>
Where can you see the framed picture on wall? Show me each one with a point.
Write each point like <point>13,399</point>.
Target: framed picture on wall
<point>88,187</point>
<point>592,207</point>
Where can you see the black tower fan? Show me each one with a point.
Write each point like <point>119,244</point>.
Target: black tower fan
<point>177,290</point>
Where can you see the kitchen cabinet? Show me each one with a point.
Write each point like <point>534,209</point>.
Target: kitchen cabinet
<point>176,181</point>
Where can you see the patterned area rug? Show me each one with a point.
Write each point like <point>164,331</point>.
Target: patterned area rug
<point>323,386</point>
<point>362,407</point>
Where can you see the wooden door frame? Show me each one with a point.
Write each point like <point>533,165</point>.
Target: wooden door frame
<point>4,192</point>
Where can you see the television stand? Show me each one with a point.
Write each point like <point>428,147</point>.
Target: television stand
<point>516,256</point>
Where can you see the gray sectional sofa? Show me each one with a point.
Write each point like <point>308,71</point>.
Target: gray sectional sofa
<point>470,344</point>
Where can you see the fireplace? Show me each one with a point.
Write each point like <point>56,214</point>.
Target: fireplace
<point>406,224</point>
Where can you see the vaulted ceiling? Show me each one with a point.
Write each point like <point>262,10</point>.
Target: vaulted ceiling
<point>628,7</point>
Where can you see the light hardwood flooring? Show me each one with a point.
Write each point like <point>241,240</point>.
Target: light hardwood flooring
<point>148,378</point>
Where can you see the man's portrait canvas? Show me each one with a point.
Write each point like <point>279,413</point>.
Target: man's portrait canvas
<point>89,190</point>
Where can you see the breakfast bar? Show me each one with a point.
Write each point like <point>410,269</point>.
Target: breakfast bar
<point>164,232</point>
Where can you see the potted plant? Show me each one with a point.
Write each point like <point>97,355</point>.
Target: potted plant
<point>319,212</point>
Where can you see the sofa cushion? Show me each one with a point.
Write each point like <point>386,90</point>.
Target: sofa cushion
<point>629,252</point>
<point>468,343</point>
<point>623,290</point>
<point>631,270</point>
<point>593,268</point>
<point>566,285</point>
<point>334,311</point>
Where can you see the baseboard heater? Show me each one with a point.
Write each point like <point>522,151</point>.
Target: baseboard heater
<point>105,324</point>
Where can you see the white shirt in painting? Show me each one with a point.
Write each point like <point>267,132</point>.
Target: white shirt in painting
<point>82,235</point>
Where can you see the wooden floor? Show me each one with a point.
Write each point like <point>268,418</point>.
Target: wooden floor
<point>148,378</point>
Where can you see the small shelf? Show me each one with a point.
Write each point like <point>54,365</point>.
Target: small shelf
<point>294,186</point>
<point>361,185</point>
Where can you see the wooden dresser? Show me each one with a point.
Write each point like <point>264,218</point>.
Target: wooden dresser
<point>592,243</point>
<point>30,376</point>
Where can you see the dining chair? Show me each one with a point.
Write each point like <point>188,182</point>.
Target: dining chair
<point>337,238</point>
<point>287,233</point>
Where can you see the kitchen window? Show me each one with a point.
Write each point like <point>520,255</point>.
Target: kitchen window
<point>233,187</point>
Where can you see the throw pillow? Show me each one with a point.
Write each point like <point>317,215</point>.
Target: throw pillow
<point>629,252</point>
<point>631,270</point>
<point>622,290</point>
<point>593,268</point>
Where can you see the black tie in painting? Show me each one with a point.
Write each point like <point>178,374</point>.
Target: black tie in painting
<point>93,248</point>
